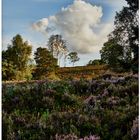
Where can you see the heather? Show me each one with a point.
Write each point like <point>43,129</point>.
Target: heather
<point>104,108</point>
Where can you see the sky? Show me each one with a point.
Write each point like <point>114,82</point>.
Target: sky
<point>84,24</point>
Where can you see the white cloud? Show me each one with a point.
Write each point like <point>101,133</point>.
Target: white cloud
<point>40,25</point>
<point>80,24</point>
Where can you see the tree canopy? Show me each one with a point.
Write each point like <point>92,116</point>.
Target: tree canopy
<point>125,35</point>
<point>73,57</point>
<point>45,63</point>
<point>16,58</point>
<point>95,62</point>
<point>112,53</point>
<point>57,46</point>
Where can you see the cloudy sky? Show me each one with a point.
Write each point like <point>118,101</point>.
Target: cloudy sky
<point>84,24</point>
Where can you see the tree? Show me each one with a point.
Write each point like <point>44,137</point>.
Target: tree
<point>73,57</point>
<point>95,62</point>
<point>126,31</point>
<point>112,53</point>
<point>8,72</point>
<point>45,63</point>
<point>57,47</point>
<point>19,52</point>
<point>16,58</point>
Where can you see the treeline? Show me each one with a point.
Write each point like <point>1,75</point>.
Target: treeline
<point>18,65</point>
<point>120,52</point>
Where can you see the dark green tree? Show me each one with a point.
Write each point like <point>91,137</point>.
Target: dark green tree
<point>73,57</point>
<point>112,54</point>
<point>45,63</point>
<point>126,32</point>
<point>16,58</point>
<point>95,62</point>
<point>8,71</point>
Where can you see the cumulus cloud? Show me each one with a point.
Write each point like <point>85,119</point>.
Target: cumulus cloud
<point>79,24</point>
<point>41,25</point>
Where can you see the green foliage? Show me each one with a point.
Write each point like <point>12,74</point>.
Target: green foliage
<point>121,51</point>
<point>45,109</point>
<point>8,71</point>
<point>45,63</point>
<point>73,57</point>
<point>24,75</point>
<point>95,62</point>
<point>19,52</point>
<point>126,33</point>
<point>15,59</point>
<point>112,54</point>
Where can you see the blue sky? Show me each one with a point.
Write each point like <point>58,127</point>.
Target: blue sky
<point>19,15</point>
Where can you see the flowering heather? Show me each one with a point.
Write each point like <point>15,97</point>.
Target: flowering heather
<point>65,110</point>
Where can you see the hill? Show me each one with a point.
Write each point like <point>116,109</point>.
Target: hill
<point>78,72</point>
